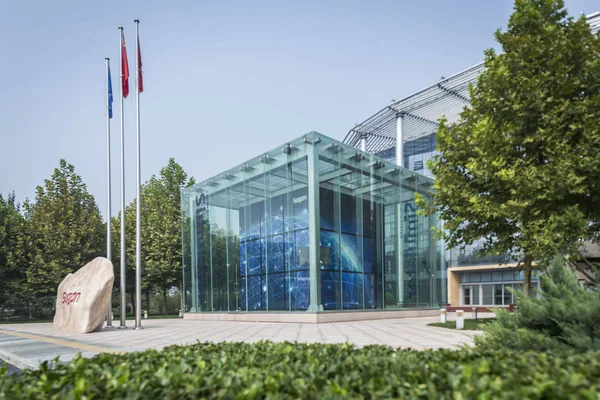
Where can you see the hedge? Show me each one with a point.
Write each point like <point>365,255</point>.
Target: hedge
<point>310,371</point>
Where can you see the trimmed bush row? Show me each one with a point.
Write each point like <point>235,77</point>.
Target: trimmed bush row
<point>310,371</point>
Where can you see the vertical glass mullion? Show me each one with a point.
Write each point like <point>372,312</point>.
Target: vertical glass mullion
<point>211,213</point>
<point>337,223</point>
<point>417,224</point>
<point>247,222</point>
<point>375,202</point>
<point>287,232</point>
<point>267,231</point>
<point>228,232</point>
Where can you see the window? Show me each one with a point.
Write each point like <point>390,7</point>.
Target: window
<point>488,294</point>
<point>508,276</point>
<point>470,295</point>
<point>486,276</point>
<point>507,295</point>
<point>496,276</point>
<point>418,165</point>
<point>467,295</point>
<point>475,295</point>
<point>497,295</point>
<point>519,275</point>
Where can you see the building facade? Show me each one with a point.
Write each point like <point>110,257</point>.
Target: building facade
<point>313,225</point>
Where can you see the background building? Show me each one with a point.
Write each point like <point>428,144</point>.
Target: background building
<point>312,225</point>
<point>403,132</point>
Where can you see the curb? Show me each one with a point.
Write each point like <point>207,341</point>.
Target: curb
<point>17,361</point>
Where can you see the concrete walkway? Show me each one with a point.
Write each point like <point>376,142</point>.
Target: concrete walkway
<point>26,345</point>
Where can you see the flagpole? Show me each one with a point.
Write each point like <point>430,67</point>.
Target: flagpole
<point>108,194</point>
<point>123,310</point>
<point>138,210</point>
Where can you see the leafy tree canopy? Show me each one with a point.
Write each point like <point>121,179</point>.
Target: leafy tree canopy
<point>521,168</point>
<point>12,247</point>
<point>161,231</point>
<point>65,229</point>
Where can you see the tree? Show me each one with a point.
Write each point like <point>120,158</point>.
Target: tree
<point>65,230</point>
<point>161,228</point>
<point>564,318</point>
<point>12,250</point>
<point>520,168</point>
<point>129,252</point>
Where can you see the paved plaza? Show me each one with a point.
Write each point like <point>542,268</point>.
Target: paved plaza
<point>26,345</point>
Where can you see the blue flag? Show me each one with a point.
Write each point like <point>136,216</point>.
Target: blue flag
<point>110,96</point>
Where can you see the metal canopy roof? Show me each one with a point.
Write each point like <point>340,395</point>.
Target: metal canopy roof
<point>422,110</point>
<point>594,21</point>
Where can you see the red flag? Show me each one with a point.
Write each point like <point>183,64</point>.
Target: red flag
<point>139,72</point>
<point>124,68</point>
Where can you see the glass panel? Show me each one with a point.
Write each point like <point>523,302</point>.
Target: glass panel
<point>508,298</point>
<point>299,287</point>
<point>533,291</point>
<point>331,290</point>
<point>467,295</point>
<point>497,295</point>
<point>497,276</point>
<point>352,289</point>
<point>370,291</point>
<point>187,209</point>
<point>508,276</point>
<point>518,287</point>
<point>475,277</point>
<point>519,275</point>
<point>277,291</point>
<point>488,295</point>
<point>465,277</point>
<point>475,295</point>
<point>486,276</point>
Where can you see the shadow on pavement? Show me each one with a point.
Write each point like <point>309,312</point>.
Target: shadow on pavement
<point>11,368</point>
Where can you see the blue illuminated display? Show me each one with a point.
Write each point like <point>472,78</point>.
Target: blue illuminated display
<point>263,246</point>
<point>269,238</point>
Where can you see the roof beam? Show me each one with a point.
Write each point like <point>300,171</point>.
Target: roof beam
<point>453,93</point>
<point>428,121</point>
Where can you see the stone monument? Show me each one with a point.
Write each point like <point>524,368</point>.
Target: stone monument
<point>83,298</point>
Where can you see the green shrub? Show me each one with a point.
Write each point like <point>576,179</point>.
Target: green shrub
<point>565,317</point>
<point>310,371</point>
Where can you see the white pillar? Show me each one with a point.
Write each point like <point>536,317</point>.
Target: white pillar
<point>363,142</point>
<point>400,140</point>
<point>399,214</point>
<point>460,319</point>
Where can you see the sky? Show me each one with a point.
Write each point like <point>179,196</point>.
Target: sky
<point>224,80</point>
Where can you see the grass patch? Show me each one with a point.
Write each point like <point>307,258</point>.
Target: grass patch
<point>470,324</point>
<point>267,370</point>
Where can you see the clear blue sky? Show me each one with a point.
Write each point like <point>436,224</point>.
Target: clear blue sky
<point>224,80</point>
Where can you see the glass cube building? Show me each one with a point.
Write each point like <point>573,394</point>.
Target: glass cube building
<point>313,225</point>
